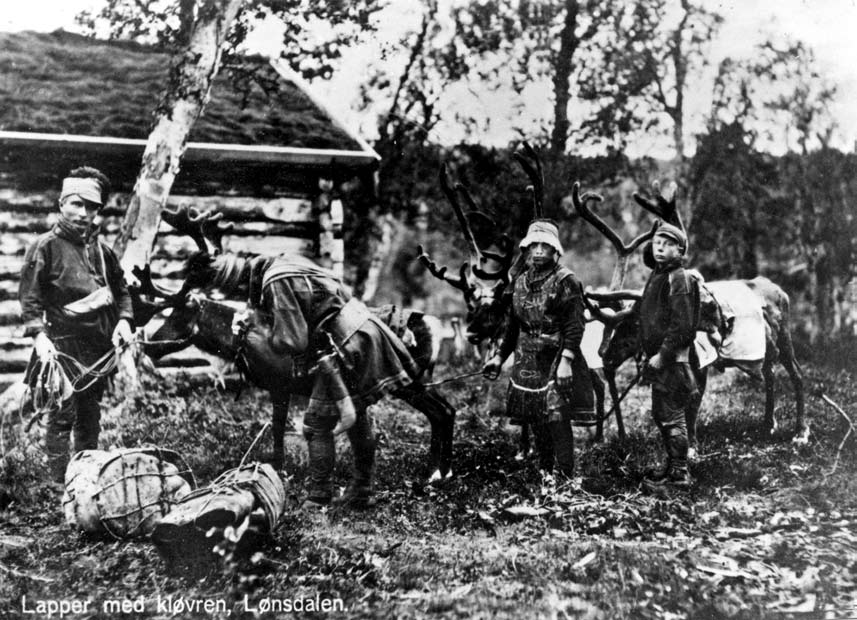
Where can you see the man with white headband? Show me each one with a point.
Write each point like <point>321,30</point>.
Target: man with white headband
<point>74,300</point>
<point>550,387</point>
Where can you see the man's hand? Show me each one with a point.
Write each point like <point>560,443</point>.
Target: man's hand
<point>656,362</point>
<point>491,369</point>
<point>45,349</point>
<point>564,373</point>
<point>122,333</point>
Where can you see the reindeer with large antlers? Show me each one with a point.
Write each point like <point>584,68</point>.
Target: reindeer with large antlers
<point>554,334</point>
<point>305,335</point>
<point>762,324</point>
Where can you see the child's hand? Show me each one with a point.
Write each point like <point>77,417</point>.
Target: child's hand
<point>491,370</point>
<point>564,373</point>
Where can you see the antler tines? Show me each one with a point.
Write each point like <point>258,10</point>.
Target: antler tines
<point>202,226</point>
<point>440,272</point>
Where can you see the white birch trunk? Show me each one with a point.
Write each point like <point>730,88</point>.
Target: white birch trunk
<point>186,95</point>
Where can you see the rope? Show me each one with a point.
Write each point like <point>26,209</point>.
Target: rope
<point>47,394</point>
<point>252,445</point>
<point>454,378</point>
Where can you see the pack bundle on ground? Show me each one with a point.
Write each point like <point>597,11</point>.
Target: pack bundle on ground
<point>124,492</point>
<point>234,513</point>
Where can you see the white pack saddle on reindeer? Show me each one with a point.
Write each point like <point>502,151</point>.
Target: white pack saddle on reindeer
<point>123,492</point>
<point>743,309</point>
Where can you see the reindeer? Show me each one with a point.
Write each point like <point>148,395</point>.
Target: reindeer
<point>485,278</point>
<point>208,324</point>
<point>621,334</point>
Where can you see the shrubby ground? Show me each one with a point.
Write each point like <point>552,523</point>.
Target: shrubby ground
<point>770,530</point>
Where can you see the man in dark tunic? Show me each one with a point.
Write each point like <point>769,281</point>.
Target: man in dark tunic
<point>347,355</point>
<point>668,323</point>
<point>74,301</point>
<point>550,387</point>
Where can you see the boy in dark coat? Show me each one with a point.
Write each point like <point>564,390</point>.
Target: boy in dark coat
<point>667,320</point>
<point>74,301</point>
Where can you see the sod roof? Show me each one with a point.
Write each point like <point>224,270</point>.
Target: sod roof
<point>64,83</point>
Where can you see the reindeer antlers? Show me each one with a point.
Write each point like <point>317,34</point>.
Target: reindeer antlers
<point>582,207</point>
<point>201,226</point>
<point>664,204</point>
<point>613,317</point>
<point>440,272</point>
<point>478,258</point>
<point>452,196</point>
<point>144,309</point>
<point>537,176</point>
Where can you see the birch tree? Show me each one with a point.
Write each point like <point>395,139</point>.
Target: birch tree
<point>187,91</point>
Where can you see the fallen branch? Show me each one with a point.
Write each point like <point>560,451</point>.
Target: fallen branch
<point>830,402</point>
<point>17,573</point>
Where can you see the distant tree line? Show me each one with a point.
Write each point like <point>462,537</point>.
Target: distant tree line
<point>612,72</point>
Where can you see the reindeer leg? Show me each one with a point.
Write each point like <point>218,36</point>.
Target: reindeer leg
<point>441,416</point>
<point>768,374</point>
<point>610,376</point>
<point>787,359</point>
<point>278,426</point>
<point>598,388</point>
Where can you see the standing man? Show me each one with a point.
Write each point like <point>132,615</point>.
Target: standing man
<point>74,301</point>
<point>667,320</point>
<point>550,385</point>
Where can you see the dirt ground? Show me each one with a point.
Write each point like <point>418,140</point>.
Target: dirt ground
<point>769,530</point>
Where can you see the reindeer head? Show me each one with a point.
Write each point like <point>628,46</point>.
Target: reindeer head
<point>621,325</point>
<point>180,328</point>
<point>206,230</point>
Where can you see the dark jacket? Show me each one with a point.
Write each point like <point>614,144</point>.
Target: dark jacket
<point>62,267</point>
<point>667,310</point>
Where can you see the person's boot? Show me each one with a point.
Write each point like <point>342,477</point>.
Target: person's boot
<point>657,475</point>
<point>357,496</point>
<point>675,477</point>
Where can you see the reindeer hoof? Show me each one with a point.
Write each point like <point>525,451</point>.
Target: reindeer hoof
<point>692,454</point>
<point>435,477</point>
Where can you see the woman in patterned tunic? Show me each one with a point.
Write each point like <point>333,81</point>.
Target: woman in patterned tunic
<point>550,386</point>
